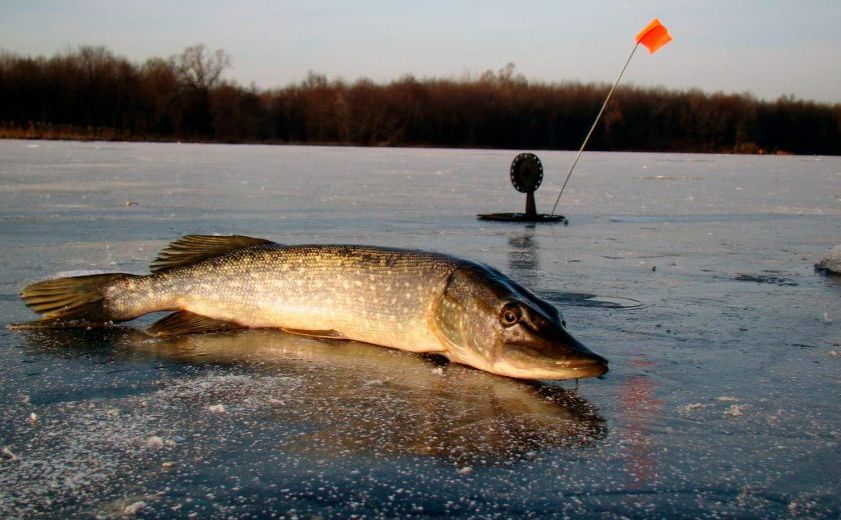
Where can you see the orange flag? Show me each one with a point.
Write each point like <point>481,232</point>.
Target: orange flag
<point>654,36</point>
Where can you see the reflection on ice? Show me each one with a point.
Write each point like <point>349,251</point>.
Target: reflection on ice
<point>357,398</point>
<point>524,257</point>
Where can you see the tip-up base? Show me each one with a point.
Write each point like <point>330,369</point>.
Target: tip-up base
<point>523,217</point>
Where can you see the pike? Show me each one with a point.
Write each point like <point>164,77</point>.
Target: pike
<point>405,299</point>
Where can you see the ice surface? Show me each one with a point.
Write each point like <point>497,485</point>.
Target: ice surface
<point>693,274</point>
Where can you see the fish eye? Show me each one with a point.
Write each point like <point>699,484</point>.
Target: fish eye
<point>510,315</point>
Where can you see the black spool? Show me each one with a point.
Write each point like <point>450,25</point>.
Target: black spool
<point>526,173</point>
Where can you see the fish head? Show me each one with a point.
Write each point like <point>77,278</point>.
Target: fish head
<point>492,323</point>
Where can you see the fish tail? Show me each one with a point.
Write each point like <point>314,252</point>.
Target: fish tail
<point>73,301</point>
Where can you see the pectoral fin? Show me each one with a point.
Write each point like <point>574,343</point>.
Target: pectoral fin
<point>184,322</point>
<point>323,334</point>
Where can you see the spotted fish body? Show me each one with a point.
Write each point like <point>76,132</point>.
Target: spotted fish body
<point>374,295</point>
<point>411,300</point>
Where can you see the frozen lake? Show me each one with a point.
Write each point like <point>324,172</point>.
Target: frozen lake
<point>693,274</point>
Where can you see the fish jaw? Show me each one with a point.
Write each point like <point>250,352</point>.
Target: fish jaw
<point>538,369</point>
<point>581,371</point>
<point>522,361</point>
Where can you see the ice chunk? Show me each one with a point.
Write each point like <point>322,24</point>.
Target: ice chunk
<point>831,262</point>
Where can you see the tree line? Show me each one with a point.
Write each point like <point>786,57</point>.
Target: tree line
<point>92,93</point>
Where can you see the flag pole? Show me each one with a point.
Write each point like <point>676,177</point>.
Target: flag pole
<point>601,111</point>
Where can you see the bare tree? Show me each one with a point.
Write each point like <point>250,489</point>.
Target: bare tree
<point>200,68</point>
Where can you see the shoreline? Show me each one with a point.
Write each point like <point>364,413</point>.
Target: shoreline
<point>60,133</point>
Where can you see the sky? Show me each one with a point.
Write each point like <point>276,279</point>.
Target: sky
<point>767,48</point>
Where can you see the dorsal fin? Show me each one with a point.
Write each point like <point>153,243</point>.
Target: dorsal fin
<point>190,249</point>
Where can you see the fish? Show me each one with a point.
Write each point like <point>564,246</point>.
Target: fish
<point>417,301</point>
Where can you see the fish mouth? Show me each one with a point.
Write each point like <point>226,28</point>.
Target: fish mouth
<point>559,357</point>
<point>517,361</point>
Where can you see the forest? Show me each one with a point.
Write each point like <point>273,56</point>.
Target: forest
<point>91,93</point>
